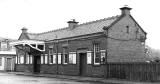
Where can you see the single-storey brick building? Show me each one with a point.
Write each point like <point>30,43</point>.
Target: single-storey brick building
<point>82,49</point>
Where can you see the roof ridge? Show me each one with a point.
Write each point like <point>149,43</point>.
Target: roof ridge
<point>86,23</point>
<point>53,30</point>
<point>108,18</point>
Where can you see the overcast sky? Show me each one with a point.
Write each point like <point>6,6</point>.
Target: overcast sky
<point>45,15</point>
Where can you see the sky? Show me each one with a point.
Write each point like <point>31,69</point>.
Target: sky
<point>45,15</point>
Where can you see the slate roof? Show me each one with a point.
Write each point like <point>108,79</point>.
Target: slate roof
<point>81,29</point>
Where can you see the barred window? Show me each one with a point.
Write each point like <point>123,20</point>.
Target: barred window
<point>96,47</point>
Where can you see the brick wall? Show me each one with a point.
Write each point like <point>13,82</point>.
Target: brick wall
<point>24,67</point>
<point>125,46</point>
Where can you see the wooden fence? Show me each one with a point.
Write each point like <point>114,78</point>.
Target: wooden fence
<point>134,71</point>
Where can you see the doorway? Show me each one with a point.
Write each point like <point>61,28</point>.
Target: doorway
<point>83,63</point>
<point>36,64</point>
<point>9,64</point>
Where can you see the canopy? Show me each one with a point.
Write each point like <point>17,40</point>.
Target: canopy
<point>38,45</point>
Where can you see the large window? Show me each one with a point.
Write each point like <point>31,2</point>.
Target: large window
<point>0,61</point>
<point>72,57</point>
<point>96,47</point>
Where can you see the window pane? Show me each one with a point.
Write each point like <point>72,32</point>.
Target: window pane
<point>31,59</point>
<point>16,60</point>
<point>59,58</point>
<point>22,59</point>
<point>96,53</point>
<point>74,58</point>
<point>89,58</point>
<point>70,58</point>
<point>65,58</point>
<point>27,59</point>
<point>46,58</point>
<point>54,59</point>
<point>97,57</point>
<point>42,59</point>
<point>102,57</point>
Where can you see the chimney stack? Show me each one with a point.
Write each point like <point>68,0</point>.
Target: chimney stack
<point>125,10</point>
<point>24,30</point>
<point>72,24</point>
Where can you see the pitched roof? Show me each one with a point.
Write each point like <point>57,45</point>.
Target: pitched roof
<point>82,29</point>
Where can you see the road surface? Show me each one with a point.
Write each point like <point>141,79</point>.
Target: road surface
<point>6,78</point>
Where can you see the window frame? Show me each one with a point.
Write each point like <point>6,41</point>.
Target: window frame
<point>96,51</point>
<point>72,55</point>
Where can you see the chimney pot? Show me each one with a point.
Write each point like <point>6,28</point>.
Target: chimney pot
<point>24,30</point>
<point>72,24</point>
<point>125,10</point>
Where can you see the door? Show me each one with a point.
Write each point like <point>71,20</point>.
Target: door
<point>9,64</point>
<point>36,64</point>
<point>83,63</point>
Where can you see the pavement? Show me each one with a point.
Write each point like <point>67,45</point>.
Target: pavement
<point>84,79</point>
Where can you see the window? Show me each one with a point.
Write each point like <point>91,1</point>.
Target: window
<point>51,56</point>
<point>127,29</point>
<point>96,47</point>
<point>54,58</point>
<point>27,58</point>
<point>46,59</point>
<point>65,55</point>
<point>0,61</point>
<point>51,59</point>
<point>16,60</point>
<point>72,58</point>
<point>42,59</point>
<point>31,59</point>
<point>89,57</point>
<point>65,59</point>
<point>21,59</point>
<point>59,58</point>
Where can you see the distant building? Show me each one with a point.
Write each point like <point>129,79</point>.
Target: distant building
<point>82,49</point>
<point>7,55</point>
